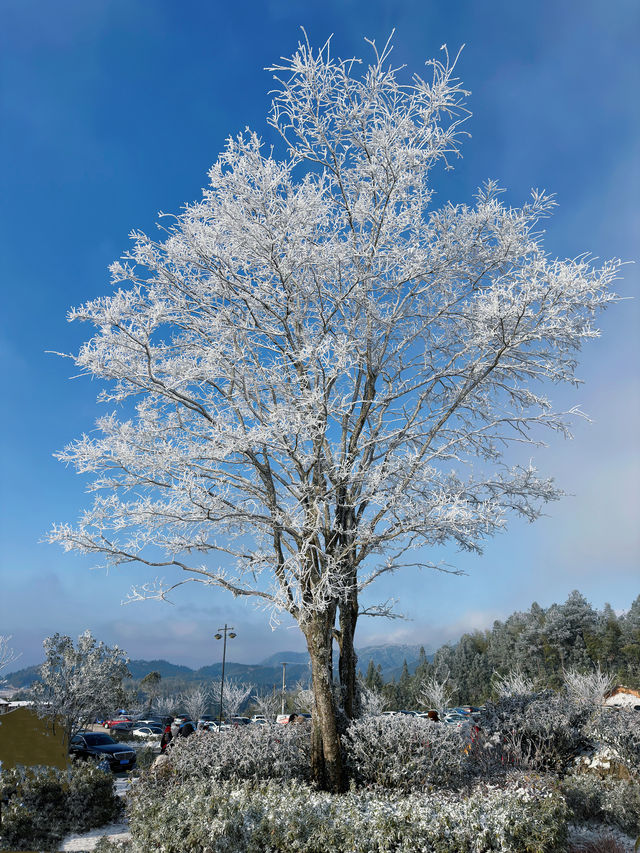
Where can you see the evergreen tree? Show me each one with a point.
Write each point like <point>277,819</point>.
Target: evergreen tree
<point>373,679</point>
<point>405,688</point>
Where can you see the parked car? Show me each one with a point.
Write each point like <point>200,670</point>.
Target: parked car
<point>147,731</point>
<point>204,719</point>
<point>121,722</point>
<point>457,720</point>
<point>240,721</point>
<point>101,746</point>
<point>125,726</point>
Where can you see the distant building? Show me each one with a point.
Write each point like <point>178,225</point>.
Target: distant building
<point>28,740</point>
<point>623,697</point>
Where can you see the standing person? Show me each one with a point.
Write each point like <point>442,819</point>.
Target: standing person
<point>166,738</point>
<point>186,728</point>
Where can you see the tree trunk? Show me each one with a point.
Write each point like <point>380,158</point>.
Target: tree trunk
<point>348,657</point>
<point>326,753</point>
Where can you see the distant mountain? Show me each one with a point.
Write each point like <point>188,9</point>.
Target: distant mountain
<point>265,675</point>
<point>140,668</point>
<point>390,659</point>
<point>22,677</point>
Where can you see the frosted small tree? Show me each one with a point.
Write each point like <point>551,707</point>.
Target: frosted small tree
<point>150,685</point>
<point>268,703</point>
<point>303,698</point>
<point>78,682</point>
<point>436,693</point>
<point>234,696</point>
<point>196,701</point>
<point>588,688</point>
<point>7,654</point>
<point>372,702</point>
<point>315,372</point>
<point>167,705</point>
<point>513,683</point>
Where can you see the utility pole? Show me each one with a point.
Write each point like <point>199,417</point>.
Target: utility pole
<point>218,636</point>
<point>284,669</point>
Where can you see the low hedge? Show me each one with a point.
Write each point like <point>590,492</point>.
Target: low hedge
<point>202,816</point>
<point>40,805</point>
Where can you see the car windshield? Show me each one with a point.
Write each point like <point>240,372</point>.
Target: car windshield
<point>98,739</point>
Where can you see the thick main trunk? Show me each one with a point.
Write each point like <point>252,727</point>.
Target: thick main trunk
<point>348,658</point>
<point>326,753</point>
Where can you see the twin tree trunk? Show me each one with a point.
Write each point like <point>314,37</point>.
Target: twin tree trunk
<point>326,755</point>
<point>327,768</point>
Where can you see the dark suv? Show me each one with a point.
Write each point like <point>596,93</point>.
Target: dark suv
<point>101,746</point>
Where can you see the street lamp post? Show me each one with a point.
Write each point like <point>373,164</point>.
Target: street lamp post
<point>226,630</point>
<point>284,669</point>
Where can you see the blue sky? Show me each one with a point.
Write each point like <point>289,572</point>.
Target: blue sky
<point>113,110</point>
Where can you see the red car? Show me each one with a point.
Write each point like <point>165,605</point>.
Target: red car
<point>122,723</point>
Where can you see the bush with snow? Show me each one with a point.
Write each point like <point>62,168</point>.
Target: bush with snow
<point>618,729</point>
<point>245,752</point>
<point>40,805</point>
<point>541,731</point>
<point>409,753</point>
<point>612,801</point>
<point>228,817</point>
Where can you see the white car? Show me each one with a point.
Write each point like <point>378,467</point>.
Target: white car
<point>147,731</point>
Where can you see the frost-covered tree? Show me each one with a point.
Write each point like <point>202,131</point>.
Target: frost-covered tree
<point>7,654</point>
<point>78,682</point>
<point>588,688</point>
<point>314,372</point>
<point>267,703</point>
<point>513,683</point>
<point>167,705</point>
<point>303,698</point>
<point>372,702</point>
<point>436,693</point>
<point>150,685</point>
<point>234,696</point>
<point>195,701</point>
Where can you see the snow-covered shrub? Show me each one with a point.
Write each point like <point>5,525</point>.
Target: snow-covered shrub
<point>513,683</point>
<point>587,687</point>
<point>42,804</point>
<point>542,731</point>
<point>612,801</point>
<point>406,752</point>
<point>227,817</point>
<point>245,752</point>
<point>436,693</point>
<point>617,729</point>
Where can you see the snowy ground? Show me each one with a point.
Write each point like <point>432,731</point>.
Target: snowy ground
<point>584,834</point>
<point>88,841</point>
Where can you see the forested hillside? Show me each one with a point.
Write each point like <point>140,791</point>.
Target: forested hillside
<point>539,642</point>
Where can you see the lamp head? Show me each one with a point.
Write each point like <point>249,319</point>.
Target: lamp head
<point>218,636</point>
<point>231,635</point>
